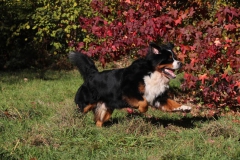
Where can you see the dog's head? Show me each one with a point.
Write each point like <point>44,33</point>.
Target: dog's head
<point>163,59</point>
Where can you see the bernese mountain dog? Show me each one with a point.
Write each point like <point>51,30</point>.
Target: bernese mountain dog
<point>145,82</point>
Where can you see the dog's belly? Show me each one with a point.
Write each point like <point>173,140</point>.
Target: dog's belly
<point>155,84</point>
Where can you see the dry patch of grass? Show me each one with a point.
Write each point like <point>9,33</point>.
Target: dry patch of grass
<point>216,129</point>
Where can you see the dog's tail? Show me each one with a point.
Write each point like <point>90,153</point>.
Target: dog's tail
<point>84,64</point>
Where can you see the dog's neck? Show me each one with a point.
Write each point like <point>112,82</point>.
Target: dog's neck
<point>155,84</point>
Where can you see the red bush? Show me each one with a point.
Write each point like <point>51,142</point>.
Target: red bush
<point>206,39</point>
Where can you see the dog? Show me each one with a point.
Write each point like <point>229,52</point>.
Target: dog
<point>143,83</point>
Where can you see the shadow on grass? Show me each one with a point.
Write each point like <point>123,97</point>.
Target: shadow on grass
<point>185,122</point>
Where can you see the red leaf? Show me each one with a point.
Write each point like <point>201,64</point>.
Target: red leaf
<point>131,12</point>
<point>230,18</point>
<point>228,40</point>
<point>198,34</point>
<point>192,48</point>
<point>203,77</point>
<point>191,84</point>
<point>238,99</point>
<point>119,24</point>
<point>226,77</point>
<point>230,27</point>
<point>238,84</point>
<point>102,60</point>
<point>80,45</point>
<point>173,12</point>
<point>226,10</point>
<point>109,33</point>
<point>184,48</point>
<point>184,15</point>
<point>146,4</point>
<point>188,67</point>
<point>217,42</point>
<point>127,1</point>
<point>105,9</point>
<point>238,51</point>
<point>187,76</point>
<point>193,61</point>
<point>114,48</point>
<point>215,81</point>
<point>191,11</point>
<point>220,17</point>
<point>178,21</point>
<point>168,26</point>
<point>182,57</point>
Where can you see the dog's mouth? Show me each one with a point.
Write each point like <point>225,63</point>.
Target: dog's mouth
<point>169,73</point>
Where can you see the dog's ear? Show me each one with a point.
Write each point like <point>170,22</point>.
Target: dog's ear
<point>154,48</point>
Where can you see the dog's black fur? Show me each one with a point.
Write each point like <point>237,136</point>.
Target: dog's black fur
<point>118,88</point>
<point>110,85</point>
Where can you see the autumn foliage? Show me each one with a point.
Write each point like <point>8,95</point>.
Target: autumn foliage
<point>205,34</point>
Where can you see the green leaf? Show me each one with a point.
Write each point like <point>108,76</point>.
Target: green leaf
<point>27,27</point>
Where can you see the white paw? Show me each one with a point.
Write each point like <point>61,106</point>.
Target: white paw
<point>157,105</point>
<point>183,108</point>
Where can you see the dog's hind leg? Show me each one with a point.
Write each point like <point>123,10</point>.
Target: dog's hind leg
<point>89,107</point>
<point>102,114</point>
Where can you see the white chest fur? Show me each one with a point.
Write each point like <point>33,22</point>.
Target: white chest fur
<point>155,84</point>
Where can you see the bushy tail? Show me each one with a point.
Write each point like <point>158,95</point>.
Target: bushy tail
<point>84,64</point>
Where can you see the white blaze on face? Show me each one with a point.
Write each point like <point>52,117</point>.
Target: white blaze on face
<point>176,63</point>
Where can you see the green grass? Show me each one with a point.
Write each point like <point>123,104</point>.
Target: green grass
<point>38,120</point>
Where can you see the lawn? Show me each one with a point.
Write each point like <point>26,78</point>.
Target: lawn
<point>39,121</point>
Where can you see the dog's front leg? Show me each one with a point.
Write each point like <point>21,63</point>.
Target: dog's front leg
<point>171,105</point>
